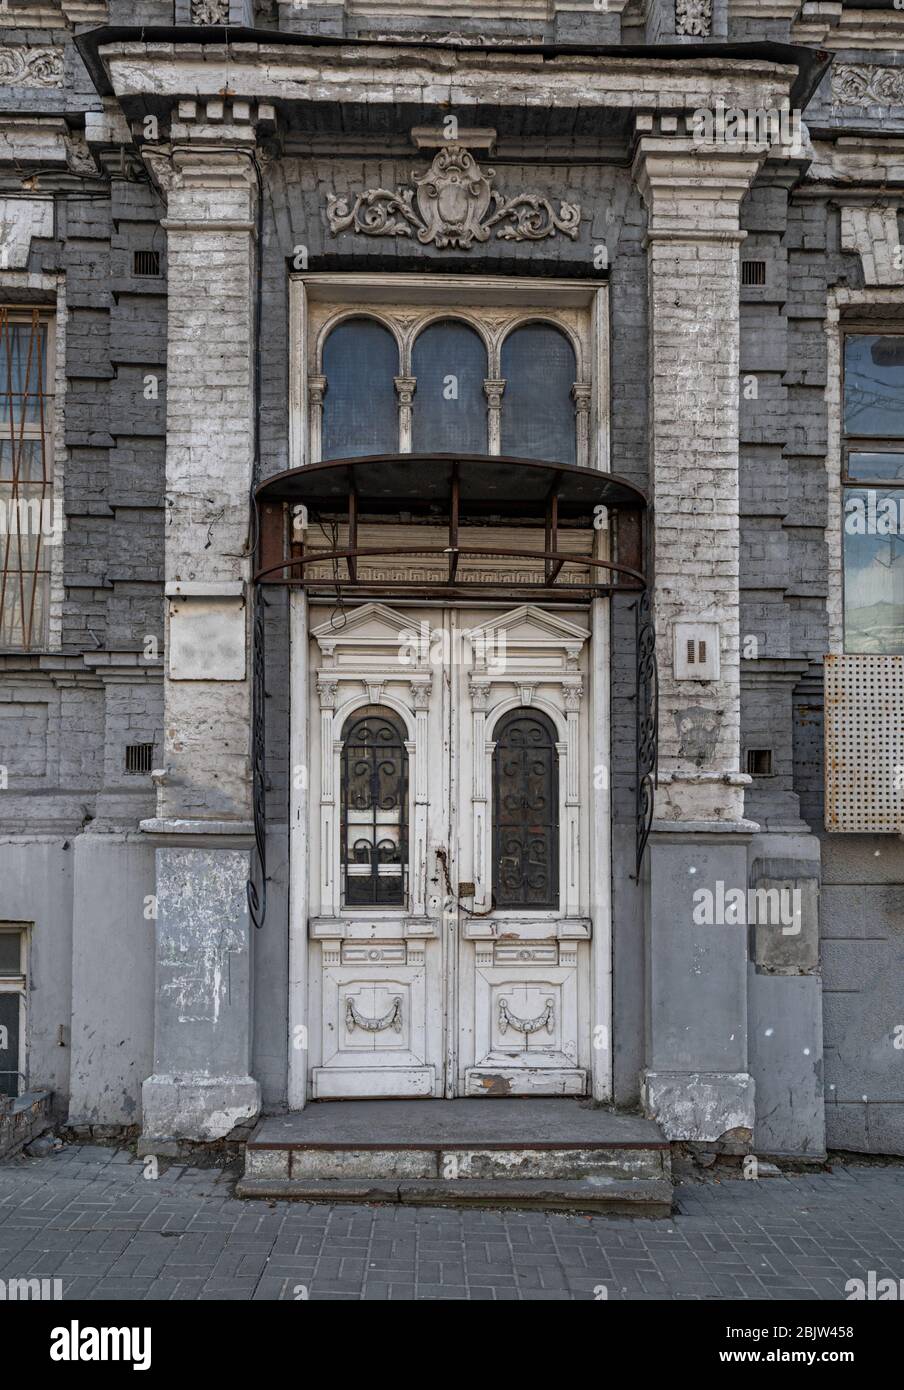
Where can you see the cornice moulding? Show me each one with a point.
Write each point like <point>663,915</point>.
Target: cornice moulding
<point>375,74</point>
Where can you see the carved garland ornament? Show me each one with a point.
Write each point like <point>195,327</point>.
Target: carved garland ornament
<point>31,67</point>
<point>867,85</point>
<point>694,17</point>
<point>546,1019</point>
<point>452,204</point>
<point>391,1019</point>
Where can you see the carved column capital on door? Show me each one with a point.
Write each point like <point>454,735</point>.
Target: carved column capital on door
<point>572,694</point>
<point>421,691</point>
<point>326,689</point>
<point>480,694</point>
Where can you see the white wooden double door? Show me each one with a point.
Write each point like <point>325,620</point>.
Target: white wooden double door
<point>448,852</point>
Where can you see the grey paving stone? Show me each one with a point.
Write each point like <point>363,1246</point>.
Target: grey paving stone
<point>90,1218</point>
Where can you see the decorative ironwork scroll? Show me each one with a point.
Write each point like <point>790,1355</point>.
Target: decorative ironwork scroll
<point>647,714</point>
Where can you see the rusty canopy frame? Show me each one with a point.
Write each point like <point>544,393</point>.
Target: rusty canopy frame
<point>450,490</point>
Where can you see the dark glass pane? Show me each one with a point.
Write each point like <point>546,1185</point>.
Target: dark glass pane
<point>874,384</point>
<point>9,1044</point>
<point>539,370</point>
<point>10,953</point>
<point>874,570</point>
<point>374,810</point>
<point>870,466</point>
<point>23,364</point>
<point>360,406</point>
<point>449,362</point>
<point>525,812</point>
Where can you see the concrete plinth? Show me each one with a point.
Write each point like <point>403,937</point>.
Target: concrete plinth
<point>201,1088</point>
<point>697,1083</point>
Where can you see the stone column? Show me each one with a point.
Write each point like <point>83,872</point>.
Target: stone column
<point>697,1081</point>
<point>201,1088</point>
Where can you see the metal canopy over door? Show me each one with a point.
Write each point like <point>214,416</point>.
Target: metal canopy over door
<point>450,926</point>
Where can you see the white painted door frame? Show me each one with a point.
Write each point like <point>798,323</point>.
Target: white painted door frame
<point>597,851</point>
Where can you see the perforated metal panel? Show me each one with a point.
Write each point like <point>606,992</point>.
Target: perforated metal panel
<point>864,743</point>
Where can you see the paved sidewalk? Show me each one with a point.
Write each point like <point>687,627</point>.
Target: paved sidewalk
<point>88,1216</point>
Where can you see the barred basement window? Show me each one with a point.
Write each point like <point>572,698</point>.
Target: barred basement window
<point>146,262</point>
<point>139,757</point>
<point>27,522</point>
<point>753,272</point>
<point>13,980</point>
<point>759,762</point>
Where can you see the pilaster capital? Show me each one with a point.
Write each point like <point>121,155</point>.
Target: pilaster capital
<point>694,191</point>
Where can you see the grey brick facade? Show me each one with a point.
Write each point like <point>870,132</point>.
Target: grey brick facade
<point>154,429</point>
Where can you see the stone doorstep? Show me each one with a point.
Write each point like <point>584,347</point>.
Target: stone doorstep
<point>552,1154</point>
<point>464,1163</point>
<point>644,1197</point>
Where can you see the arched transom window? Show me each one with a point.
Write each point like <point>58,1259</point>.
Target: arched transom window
<point>525,811</point>
<point>374,786</point>
<point>445,383</point>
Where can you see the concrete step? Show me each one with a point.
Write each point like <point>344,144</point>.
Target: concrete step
<point>556,1154</point>
<point>615,1196</point>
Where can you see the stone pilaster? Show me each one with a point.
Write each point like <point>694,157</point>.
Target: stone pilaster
<point>693,197</point>
<point>697,1081</point>
<point>202,1088</point>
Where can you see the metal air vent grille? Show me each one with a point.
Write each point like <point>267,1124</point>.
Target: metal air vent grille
<point>864,743</point>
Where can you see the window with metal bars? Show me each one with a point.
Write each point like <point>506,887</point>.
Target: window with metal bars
<point>26,476</point>
<point>374,810</point>
<point>525,811</point>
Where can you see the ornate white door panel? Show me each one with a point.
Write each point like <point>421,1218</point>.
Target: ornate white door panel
<point>524,937</point>
<point>449,918</point>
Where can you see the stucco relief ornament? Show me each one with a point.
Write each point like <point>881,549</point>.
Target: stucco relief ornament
<point>452,204</point>
<point>209,11</point>
<point>31,67</point>
<point>867,85</point>
<point>694,17</point>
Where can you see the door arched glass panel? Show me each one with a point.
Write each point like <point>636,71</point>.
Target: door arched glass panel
<point>525,811</point>
<point>360,407</point>
<point>374,786</point>
<point>539,370</point>
<point>449,363</point>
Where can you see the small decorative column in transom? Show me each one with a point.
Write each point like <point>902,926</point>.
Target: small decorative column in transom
<point>493,388</point>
